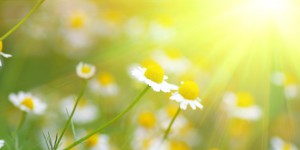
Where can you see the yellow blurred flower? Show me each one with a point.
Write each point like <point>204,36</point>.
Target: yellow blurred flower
<point>178,145</point>
<point>147,119</point>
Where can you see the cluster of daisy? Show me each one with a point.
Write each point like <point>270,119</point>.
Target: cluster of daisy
<point>153,75</point>
<point>287,82</point>
<point>148,133</point>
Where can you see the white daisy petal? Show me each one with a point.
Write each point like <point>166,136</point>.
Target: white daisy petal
<point>5,55</point>
<point>192,105</point>
<point>1,143</point>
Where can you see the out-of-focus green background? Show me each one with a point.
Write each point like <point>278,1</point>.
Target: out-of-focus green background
<point>234,45</point>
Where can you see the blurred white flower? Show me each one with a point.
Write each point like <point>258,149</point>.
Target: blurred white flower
<point>135,27</point>
<point>109,23</point>
<point>104,84</point>
<point>153,75</point>
<point>142,141</point>
<point>162,30</point>
<point>2,143</point>
<point>85,71</point>
<point>85,112</point>
<point>187,95</point>
<point>291,91</point>
<point>172,61</point>
<point>27,102</point>
<point>3,54</point>
<point>278,144</point>
<point>78,18</point>
<point>278,78</point>
<point>241,105</point>
<point>98,142</point>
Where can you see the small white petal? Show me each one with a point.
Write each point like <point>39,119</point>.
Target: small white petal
<point>5,55</point>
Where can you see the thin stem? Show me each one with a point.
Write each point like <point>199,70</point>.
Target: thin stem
<point>170,125</point>
<point>71,116</point>
<point>22,21</point>
<point>23,118</point>
<point>109,122</point>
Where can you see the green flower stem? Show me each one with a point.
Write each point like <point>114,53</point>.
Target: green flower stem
<point>71,116</point>
<point>109,122</point>
<point>22,21</point>
<point>170,125</point>
<point>23,118</point>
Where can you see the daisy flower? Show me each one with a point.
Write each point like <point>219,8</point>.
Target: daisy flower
<point>27,102</point>
<point>241,105</point>
<point>85,71</point>
<point>98,141</point>
<point>85,112</point>
<point>3,54</point>
<point>104,84</point>
<point>172,61</point>
<point>2,143</point>
<point>187,94</point>
<point>279,144</point>
<point>162,30</point>
<point>154,76</point>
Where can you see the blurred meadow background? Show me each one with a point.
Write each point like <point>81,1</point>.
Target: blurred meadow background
<point>243,55</point>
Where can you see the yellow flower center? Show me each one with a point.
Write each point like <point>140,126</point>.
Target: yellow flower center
<point>244,100</point>
<point>105,78</point>
<point>28,102</point>
<point>155,73</point>
<point>173,53</point>
<point>147,119</point>
<point>77,21</point>
<point>287,146</point>
<point>86,69</point>
<point>176,145</point>
<point>1,46</point>
<point>189,90</point>
<point>92,141</point>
